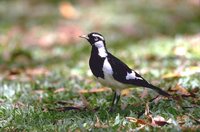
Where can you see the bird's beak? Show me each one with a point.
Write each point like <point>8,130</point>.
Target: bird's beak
<point>84,36</point>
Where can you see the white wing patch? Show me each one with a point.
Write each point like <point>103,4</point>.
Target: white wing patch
<point>132,75</point>
<point>101,49</point>
<point>97,35</point>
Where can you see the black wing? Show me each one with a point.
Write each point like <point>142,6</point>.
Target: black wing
<point>120,70</point>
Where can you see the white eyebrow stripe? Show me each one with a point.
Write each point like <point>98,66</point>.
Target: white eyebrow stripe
<point>96,35</point>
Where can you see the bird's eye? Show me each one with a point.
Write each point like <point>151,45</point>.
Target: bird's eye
<point>95,38</point>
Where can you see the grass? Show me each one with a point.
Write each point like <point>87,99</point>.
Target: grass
<point>30,103</point>
<point>40,84</point>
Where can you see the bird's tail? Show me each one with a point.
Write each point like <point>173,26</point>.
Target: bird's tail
<point>158,90</point>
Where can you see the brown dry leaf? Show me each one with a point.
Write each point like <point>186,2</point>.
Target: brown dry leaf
<point>14,71</point>
<point>141,123</point>
<point>85,102</point>
<point>184,72</point>
<point>19,104</point>
<point>147,111</point>
<point>12,77</point>
<point>37,71</point>
<point>171,75</point>
<point>1,101</point>
<point>13,74</point>
<point>194,2</point>
<point>158,121</point>
<point>180,90</point>
<point>64,102</point>
<point>68,11</point>
<point>47,40</point>
<point>59,90</point>
<point>38,91</point>
<point>98,124</point>
<point>126,92</point>
<point>135,120</point>
<point>154,121</point>
<point>44,37</point>
<point>94,90</point>
<point>182,119</point>
<point>144,93</point>
<point>68,34</point>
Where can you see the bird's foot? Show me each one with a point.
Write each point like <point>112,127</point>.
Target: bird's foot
<point>112,109</point>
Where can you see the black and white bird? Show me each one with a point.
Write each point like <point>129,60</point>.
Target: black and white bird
<point>112,72</point>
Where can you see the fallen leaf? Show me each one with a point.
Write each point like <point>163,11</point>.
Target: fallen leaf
<point>147,111</point>
<point>38,91</point>
<point>37,71</point>
<point>159,120</point>
<point>64,102</point>
<point>154,121</point>
<point>126,92</point>
<point>180,90</point>
<point>98,124</point>
<point>85,102</point>
<point>14,72</point>
<point>144,93</point>
<point>68,11</point>
<point>94,90</point>
<point>135,120</point>
<point>1,101</point>
<point>138,128</point>
<point>182,119</point>
<point>68,34</point>
<point>183,72</point>
<point>59,90</point>
<point>171,75</point>
<point>47,39</point>
<point>19,104</point>
<point>194,2</point>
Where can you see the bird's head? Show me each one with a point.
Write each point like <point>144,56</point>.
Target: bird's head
<point>95,39</point>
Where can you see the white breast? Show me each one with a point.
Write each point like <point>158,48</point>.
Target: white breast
<point>108,78</point>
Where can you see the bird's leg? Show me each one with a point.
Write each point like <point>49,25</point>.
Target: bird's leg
<point>115,101</point>
<point>118,93</point>
<point>118,97</point>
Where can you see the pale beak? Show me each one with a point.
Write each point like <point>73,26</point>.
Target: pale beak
<point>84,36</point>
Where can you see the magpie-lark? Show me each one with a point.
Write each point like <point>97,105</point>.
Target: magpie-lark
<point>112,72</point>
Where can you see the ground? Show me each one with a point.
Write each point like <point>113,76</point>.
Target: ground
<point>46,84</point>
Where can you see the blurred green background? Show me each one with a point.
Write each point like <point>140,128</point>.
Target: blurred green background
<point>43,60</point>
